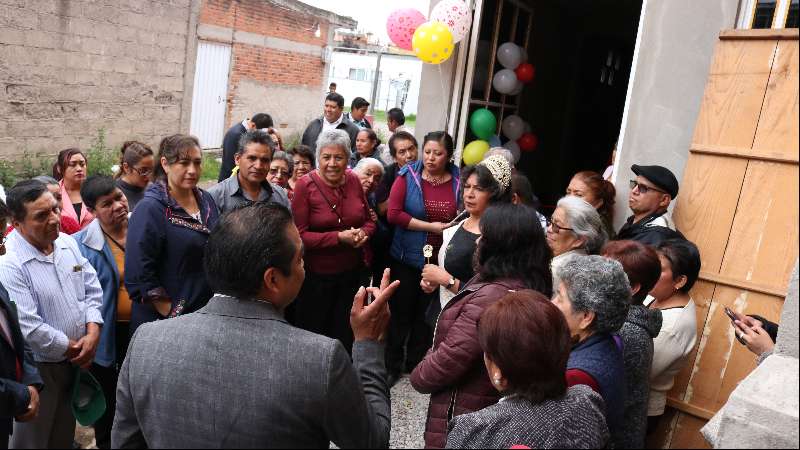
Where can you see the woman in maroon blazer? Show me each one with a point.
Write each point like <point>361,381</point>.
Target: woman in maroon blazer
<point>512,255</point>
<point>333,217</point>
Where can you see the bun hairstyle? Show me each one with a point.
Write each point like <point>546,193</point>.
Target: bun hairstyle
<point>132,152</point>
<point>601,189</point>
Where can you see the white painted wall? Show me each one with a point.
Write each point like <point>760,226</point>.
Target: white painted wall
<point>392,67</point>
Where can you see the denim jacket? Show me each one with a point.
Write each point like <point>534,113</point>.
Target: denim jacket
<point>94,248</point>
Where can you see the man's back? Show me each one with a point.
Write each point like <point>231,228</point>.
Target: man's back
<point>236,375</point>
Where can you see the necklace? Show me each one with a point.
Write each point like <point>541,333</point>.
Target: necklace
<point>435,181</point>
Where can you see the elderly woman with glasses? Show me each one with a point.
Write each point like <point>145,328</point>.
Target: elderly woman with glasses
<point>575,228</point>
<point>280,170</point>
<point>135,171</point>
<point>594,295</point>
<point>333,217</point>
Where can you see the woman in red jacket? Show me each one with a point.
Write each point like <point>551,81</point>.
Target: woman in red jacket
<point>512,255</point>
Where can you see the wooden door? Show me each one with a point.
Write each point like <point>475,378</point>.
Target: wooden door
<point>739,204</point>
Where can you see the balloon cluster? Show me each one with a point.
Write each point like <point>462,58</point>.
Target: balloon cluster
<point>516,70</point>
<point>483,124</point>
<point>433,41</point>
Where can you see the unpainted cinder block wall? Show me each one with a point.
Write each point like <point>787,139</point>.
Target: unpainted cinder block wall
<point>71,67</point>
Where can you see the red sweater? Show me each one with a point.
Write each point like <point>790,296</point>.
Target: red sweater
<point>319,225</point>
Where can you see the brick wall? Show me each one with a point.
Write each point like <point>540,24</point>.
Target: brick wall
<point>288,83</point>
<point>70,67</point>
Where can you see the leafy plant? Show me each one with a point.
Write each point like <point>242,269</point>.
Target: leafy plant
<point>100,156</point>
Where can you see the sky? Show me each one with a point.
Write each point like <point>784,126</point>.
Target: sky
<point>370,14</point>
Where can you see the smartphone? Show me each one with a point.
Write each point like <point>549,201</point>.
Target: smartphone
<point>731,315</point>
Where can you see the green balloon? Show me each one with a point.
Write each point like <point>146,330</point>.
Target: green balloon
<point>483,123</point>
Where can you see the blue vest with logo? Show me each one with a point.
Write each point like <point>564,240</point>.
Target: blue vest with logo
<point>407,245</point>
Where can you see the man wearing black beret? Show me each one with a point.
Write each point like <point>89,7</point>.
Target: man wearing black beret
<point>651,193</point>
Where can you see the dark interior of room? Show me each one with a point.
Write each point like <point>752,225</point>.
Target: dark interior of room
<point>582,52</point>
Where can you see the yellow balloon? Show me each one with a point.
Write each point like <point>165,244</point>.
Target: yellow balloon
<point>474,151</point>
<point>433,42</point>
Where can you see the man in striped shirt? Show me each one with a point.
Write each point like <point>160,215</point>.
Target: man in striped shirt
<point>58,297</point>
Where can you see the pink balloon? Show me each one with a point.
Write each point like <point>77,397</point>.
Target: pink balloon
<point>402,24</point>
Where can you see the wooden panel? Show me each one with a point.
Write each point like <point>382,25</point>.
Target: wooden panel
<point>764,238</point>
<point>721,361</point>
<point>777,133</point>
<point>687,433</point>
<point>734,93</point>
<point>741,153</point>
<point>742,34</point>
<point>702,293</point>
<point>705,208</point>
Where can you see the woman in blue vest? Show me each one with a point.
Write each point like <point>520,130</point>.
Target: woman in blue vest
<point>594,295</point>
<point>423,201</point>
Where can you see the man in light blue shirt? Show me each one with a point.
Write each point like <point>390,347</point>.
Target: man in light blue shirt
<point>58,298</point>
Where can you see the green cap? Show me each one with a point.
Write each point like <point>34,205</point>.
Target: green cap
<point>88,401</point>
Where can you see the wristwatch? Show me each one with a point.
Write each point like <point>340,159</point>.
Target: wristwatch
<point>451,283</point>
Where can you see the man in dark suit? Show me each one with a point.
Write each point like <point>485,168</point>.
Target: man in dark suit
<point>230,144</point>
<point>235,374</point>
<point>332,118</point>
<point>20,382</point>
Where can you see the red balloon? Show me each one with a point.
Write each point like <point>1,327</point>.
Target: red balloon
<point>525,72</point>
<point>528,142</point>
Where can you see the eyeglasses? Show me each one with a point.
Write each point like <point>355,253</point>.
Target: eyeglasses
<point>145,172</point>
<point>283,173</point>
<point>643,188</point>
<point>557,228</point>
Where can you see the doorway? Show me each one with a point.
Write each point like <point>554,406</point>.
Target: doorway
<point>209,99</point>
<point>582,51</point>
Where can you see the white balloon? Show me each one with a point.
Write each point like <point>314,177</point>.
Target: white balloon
<point>456,15</point>
<point>513,127</point>
<point>509,55</point>
<point>505,81</point>
<point>513,147</point>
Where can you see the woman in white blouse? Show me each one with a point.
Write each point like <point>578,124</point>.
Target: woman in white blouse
<point>680,267</point>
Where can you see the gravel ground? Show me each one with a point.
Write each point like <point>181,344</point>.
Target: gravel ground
<point>409,410</point>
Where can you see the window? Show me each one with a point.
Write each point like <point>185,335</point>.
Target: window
<point>765,14</point>
<point>358,74</point>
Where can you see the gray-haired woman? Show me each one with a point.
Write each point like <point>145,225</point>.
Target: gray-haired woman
<point>333,218</point>
<point>280,170</point>
<point>594,295</point>
<point>574,229</point>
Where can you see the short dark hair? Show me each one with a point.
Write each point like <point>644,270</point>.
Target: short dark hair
<point>245,243</point>
<point>173,148</point>
<point>5,214</point>
<point>400,136</point>
<point>444,139</point>
<point>62,161</point>
<point>94,187</point>
<point>684,258</point>
<point>640,262</point>
<point>397,115</point>
<point>487,182</point>
<point>359,102</point>
<point>513,245</point>
<point>262,120</point>
<point>337,98</point>
<point>521,185</point>
<point>528,338</point>
<point>22,193</point>
<point>332,84</point>
<point>303,151</point>
<point>255,137</point>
